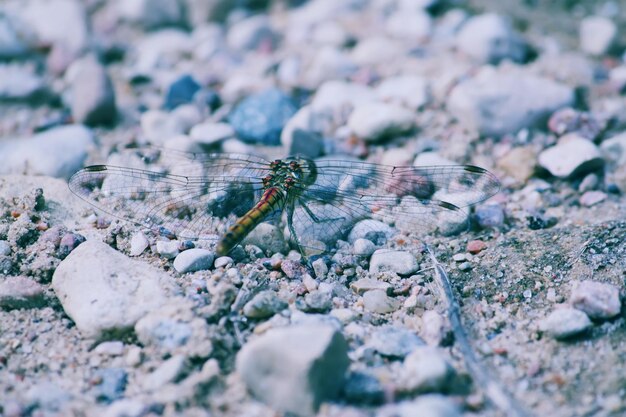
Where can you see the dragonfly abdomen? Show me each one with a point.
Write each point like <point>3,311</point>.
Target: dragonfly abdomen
<point>272,199</point>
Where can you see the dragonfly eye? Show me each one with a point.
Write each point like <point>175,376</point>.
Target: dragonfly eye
<point>275,164</point>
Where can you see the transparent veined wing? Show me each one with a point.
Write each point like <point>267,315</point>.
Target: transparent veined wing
<point>188,194</point>
<point>411,199</point>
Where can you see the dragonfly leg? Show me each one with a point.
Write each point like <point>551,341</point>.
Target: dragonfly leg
<point>313,216</point>
<point>292,231</point>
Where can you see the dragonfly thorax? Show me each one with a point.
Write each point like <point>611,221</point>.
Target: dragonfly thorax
<point>289,173</point>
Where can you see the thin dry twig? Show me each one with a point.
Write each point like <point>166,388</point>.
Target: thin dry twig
<point>492,388</point>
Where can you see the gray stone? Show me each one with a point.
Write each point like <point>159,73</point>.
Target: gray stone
<point>572,155</point>
<point>103,291</point>
<point>363,285</point>
<point>497,102</point>
<point>93,97</point>
<point>597,34</point>
<point>16,40</point>
<point>267,237</point>
<point>20,292</point>
<point>410,91</point>
<point>400,262</point>
<point>210,133</point>
<point>598,300</point>
<point>320,268</point>
<point>376,121</point>
<point>5,248</point>
<point>317,301</point>
<point>377,301</point>
<point>168,371</point>
<point>193,260</point>
<point>364,247</point>
<point>251,33</point>
<point>58,152</point>
<point>20,83</point>
<point>566,322</point>
<point>426,370</point>
<point>264,304</point>
<point>153,14</point>
<point>489,38</point>
<point>295,369</point>
<point>261,117</point>
<point>174,329</point>
<point>394,341</point>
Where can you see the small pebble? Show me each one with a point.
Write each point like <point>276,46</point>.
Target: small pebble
<point>597,299</point>
<point>377,301</point>
<point>168,249</point>
<point>138,244</point>
<point>362,285</point>
<point>223,262</point>
<point>394,341</point>
<point>264,304</point>
<point>364,247</point>
<point>20,292</point>
<point>112,348</point>
<point>194,260</point>
<point>566,322</point>
<point>320,268</point>
<point>476,246</point>
<point>426,370</point>
<point>400,262</point>
<point>591,198</point>
<point>597,34</point>
<point>209,133</point>
<point>181,91</point>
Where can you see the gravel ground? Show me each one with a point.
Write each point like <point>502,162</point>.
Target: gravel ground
<point>100,317</point>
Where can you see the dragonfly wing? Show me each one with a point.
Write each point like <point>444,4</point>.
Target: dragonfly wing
<point>190,206</point>
<point>409,198</point>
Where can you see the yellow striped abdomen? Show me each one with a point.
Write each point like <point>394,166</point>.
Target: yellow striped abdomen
<point>272,199</point>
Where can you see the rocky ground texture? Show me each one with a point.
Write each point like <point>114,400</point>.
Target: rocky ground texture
<point>102,318</point>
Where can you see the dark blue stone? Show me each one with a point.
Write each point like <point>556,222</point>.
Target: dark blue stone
<point>261,117</point>
<point>181,91</point>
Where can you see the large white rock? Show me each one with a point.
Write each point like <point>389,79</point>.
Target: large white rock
<point>497,102</point>
<point>104,291</point>
<point>295,369</point>
<point>58,152</point>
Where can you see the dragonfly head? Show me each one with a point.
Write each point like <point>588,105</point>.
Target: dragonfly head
<point>302,169</point>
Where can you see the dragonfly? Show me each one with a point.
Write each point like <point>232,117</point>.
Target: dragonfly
<point>224,196</point>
